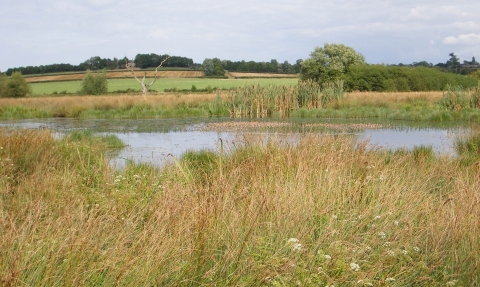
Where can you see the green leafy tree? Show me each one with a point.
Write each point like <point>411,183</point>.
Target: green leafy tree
<point>453,62</point>
<point>15,87</point>
<point>94,84</point>
<point>213,67</point>
<point>329,63</point>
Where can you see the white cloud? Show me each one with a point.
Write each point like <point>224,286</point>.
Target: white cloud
<point>463,39</point>
<point>469,25</point>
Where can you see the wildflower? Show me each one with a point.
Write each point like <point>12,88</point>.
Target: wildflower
<point>405,252</point>
<point>355,267</point>
<point>334,216</point>
<point>386,244</point>
<point>396,222</point>
<point>382,235</point>
<point>390,253</point>
<point>416,249</point>
<point>368,249</point>
<point>377,217</point>
<point>297,247</point>
<point>452,283</point>
<point>327,257</point>
<point>390,279</point>
<point>293,240</point>
<point>295,244</point>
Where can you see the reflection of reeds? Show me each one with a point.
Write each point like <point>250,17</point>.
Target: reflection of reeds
<point>261,101</point>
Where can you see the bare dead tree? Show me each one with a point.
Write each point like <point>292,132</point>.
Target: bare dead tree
<point>144,85</point>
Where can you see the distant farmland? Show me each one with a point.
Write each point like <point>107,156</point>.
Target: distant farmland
<point>115,75</point>
<point>116,84</point>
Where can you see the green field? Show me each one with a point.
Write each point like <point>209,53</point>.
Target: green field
<point>160,85</point>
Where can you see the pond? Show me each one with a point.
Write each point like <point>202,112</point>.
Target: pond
<point>156,140</point>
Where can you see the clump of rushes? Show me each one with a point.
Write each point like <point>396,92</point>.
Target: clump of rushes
<point>325,211</point>
<point>468,147</point>
<point>261,101</point>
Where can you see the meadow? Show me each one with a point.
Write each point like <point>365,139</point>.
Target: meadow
<point>258,99</point>
<point>72,87</point>
<point>324,212</point>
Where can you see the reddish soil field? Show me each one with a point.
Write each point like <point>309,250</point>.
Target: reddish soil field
<point>117,75</point>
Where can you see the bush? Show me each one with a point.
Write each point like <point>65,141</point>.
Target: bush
<point>94,84</point>
<point>15,87</point>
<point>380,78</point>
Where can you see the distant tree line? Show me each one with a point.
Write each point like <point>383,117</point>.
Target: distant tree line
<point>262,67</point>
<point>97,63</point>
<point>144,61</point>
<point>452,65</point>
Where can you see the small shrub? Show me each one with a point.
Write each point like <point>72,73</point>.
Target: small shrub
<point>15,87</point>
<point>94,84</point>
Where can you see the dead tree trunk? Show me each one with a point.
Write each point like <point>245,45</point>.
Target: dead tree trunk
<point>144,85</point>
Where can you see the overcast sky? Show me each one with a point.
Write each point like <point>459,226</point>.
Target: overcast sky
<point>391,32</point>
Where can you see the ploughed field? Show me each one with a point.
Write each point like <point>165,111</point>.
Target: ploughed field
<point>117,75</point>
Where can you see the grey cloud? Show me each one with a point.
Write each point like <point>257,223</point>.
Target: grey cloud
<point>40,32</point>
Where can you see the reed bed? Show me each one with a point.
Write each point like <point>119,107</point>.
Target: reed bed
<point>325,211</point>
<point>304,100</point>
<point>457,98</point>
<point>262,101</point>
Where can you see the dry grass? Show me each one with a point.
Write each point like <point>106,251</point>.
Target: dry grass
<point>53,104</point>
<point>73,105</point>
<point>314,214</point>
<point>376,98</point>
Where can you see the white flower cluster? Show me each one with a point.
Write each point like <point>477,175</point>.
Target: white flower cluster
<point>355,267</point>
<point>295,244</point>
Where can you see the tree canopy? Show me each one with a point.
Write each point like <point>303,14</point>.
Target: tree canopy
<point>13,87</point>
<point>213,68</point>
<point>327,64</point>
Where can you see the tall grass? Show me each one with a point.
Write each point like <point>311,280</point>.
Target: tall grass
<point>263,101</point>
<point>324,212</point>
<point>457,98</point>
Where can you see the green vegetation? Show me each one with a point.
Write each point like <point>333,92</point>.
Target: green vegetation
<point>329,63</point>
<point>264,101</point>
<point>324,212</point>
<point>160,85</point>
<point>14,86</point>
<point>213,67</point>
<point>94,84</point>
<point>457,98</point>
<point>468,148</point>
<point>380,78</point>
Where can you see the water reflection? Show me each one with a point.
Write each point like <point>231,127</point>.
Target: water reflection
<point>153,140</point>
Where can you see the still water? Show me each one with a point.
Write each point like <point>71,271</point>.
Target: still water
<point>155,141</point>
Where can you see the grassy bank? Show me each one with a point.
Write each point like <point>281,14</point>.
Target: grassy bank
<point>160,85</point>
<point>253,101</point>
<point>320,213</point>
